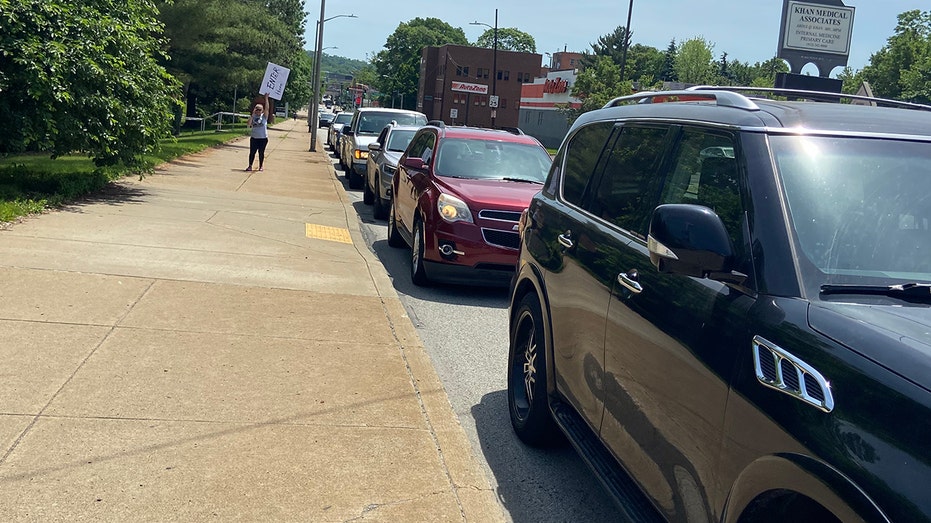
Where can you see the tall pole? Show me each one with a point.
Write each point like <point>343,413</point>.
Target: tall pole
<point>630,10</point>
<point>494,65</point>
<point>316,73</point>
<point>310,103</point>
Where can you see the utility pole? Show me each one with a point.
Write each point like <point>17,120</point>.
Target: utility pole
<point>316,74</point>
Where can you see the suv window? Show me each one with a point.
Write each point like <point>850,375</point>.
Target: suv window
<point>625,195</point>
<point>704,172</point>
<point>422,146</point>
<point>582,154</point>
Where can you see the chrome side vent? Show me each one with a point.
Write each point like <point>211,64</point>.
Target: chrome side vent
<point>780,370</point>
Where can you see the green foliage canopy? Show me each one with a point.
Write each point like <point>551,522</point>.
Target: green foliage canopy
<point>902,68</point>
<point>509,39</point>
<point>398,64</point>
<point>83,76</point>
<point>221,46</point>
<point>693,61</point>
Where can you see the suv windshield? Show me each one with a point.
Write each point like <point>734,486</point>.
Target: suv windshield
<point>374,122</point>
<point>488,159</point>
<point>860,208</point>
<point>343,118</point>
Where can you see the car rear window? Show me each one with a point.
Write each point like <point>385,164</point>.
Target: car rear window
<point>374,122</point>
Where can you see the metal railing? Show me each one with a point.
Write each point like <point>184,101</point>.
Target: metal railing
<point>218,117</point>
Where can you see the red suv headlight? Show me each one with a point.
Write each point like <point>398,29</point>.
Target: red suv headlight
<point>453,209</point>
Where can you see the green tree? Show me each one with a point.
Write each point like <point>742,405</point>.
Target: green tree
<point>667,71</point>
<point>852,80</point>
<point>609,45</point>
<point>83,76</point>
<point>900,70</point>
<point>644,63</point>
<point>398,64</point>
<point>509,39</point>
<point>597,85</point>
<point>218,47</point>
<point>693,63</point>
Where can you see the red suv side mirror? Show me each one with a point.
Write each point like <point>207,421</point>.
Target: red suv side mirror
<point>415,163</point>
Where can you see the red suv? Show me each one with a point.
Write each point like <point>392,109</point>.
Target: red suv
<point>457,200</point>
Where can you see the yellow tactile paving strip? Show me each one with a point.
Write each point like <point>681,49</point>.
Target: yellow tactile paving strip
<point>322,232</point>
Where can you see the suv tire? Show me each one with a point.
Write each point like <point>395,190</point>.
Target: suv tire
<point>394,237</point>
<point>527,394</point>
<point>381,208</point>
<point>355,181</point>
<point>418,274</point>
<point>367,197</point>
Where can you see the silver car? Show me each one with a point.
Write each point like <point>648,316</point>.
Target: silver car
<point>382,163</point>
<point>333,134</point>
<point>366,123</point>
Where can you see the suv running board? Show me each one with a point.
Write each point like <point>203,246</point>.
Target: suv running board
<point>630,499</point>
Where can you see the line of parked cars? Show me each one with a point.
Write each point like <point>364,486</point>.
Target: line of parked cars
<point>453,195</point>
<point>721,298</point>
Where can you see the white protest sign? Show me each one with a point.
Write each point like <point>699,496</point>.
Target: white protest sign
<point>276,77</point>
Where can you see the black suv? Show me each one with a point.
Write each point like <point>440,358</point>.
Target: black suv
<point>724,302</point>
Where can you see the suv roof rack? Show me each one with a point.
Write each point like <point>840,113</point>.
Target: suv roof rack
<point>720,97</point>
<point>438,123</point>
<point>731,96</point>
<point>512,130</point>
<point>818,95</point>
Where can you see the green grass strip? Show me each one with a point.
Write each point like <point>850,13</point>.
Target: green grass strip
<point>33,182</point>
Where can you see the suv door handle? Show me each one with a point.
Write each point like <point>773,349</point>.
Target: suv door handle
<point>565,240</point>
<point>629,281</point>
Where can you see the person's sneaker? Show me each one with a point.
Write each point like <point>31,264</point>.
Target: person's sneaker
<point>248,168</point>
<point>261,168</point>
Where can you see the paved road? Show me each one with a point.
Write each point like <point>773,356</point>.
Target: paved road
<point>464,330</point>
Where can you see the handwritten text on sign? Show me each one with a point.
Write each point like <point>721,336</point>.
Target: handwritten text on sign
<point>276,77</point>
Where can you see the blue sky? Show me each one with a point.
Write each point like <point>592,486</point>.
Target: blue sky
<point>748,30</point>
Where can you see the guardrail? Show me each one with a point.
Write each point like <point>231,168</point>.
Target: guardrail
<point>215,116</point>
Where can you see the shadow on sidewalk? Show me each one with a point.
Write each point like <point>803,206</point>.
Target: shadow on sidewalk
<point>115,193</point>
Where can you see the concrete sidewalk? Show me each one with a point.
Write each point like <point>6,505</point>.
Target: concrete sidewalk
<point>208,343</point>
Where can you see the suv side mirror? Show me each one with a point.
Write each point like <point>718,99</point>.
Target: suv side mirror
<point>374,147</point>
<point>414,163</point>
<point>691,240</point>
<point>347,131</point>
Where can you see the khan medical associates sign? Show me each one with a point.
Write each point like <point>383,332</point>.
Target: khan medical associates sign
<point>818,28</point>
<point>469,88</point>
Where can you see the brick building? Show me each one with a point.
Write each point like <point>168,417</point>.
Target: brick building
<point>457,84</point>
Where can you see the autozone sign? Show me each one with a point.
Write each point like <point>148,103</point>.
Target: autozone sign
<point>470,88</point>
<point>556,86</point>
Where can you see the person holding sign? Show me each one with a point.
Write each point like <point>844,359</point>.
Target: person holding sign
<point>258,132</point>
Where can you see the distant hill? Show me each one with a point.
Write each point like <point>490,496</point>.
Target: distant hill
<point>338,64</point>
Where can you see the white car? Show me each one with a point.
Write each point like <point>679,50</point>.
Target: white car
<point>366,124</point>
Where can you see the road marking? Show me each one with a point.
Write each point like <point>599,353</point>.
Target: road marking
<point>322,232</point>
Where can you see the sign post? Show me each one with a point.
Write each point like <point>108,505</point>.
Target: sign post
<point>815,31</point>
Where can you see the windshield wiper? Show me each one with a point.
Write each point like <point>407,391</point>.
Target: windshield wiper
<point>905,291</point>
<point>523,180</point>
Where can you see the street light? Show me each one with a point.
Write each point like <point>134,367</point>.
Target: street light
<point>318,50</point>
<point>494,76</point>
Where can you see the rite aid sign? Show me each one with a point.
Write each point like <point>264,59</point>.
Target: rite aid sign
<point>470,88</point>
